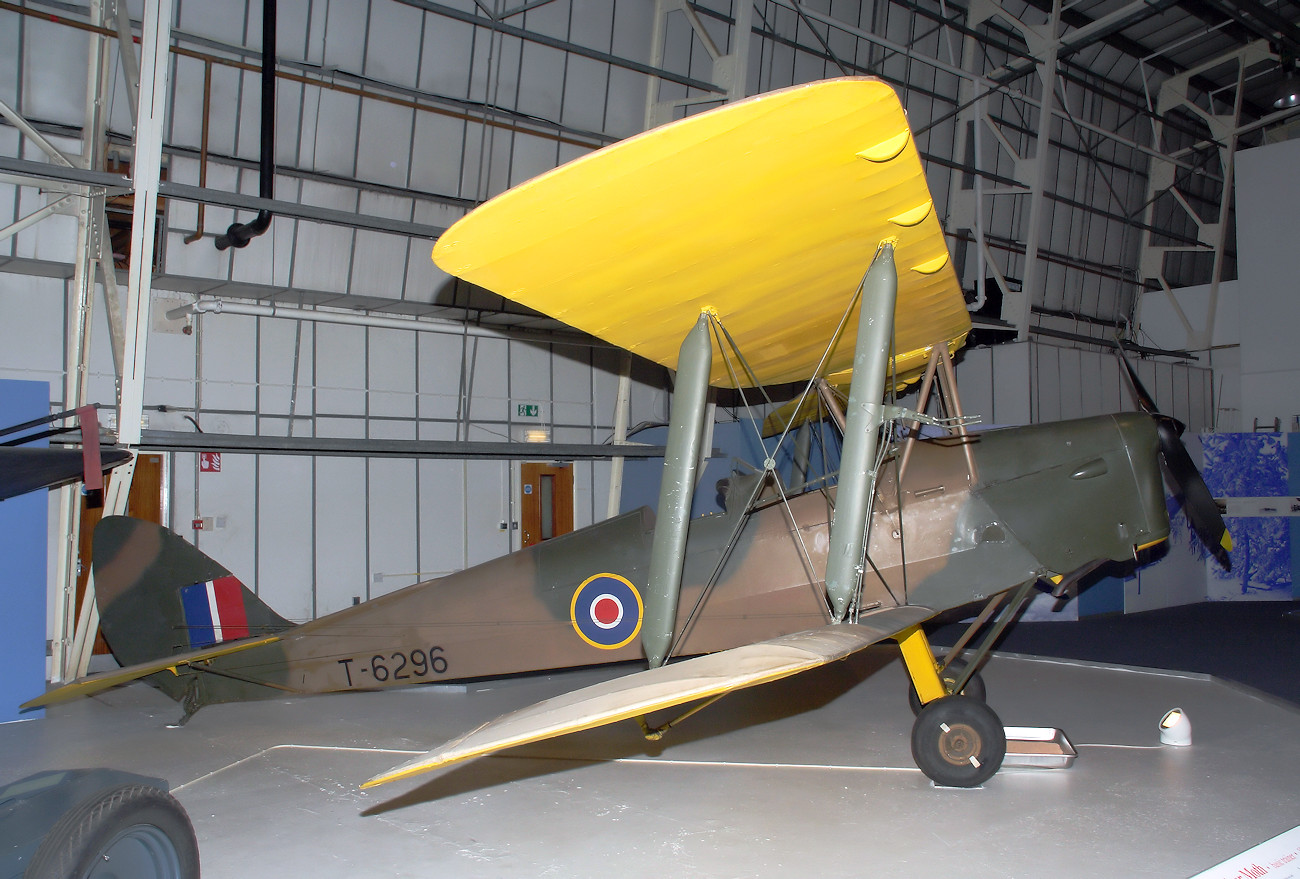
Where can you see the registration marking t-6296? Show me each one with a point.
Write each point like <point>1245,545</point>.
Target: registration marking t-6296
<point>413,665</point>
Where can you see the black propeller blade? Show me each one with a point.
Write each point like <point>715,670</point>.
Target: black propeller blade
<point>1198,503</point>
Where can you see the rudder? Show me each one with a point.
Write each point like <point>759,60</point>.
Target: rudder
<point>158,595</point>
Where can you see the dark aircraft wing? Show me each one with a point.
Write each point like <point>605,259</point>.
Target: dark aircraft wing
<point>24,469</point>
<point>638,694</point>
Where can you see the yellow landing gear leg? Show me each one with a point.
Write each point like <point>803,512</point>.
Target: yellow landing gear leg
<point>956,740</point>
<point>921,667</point>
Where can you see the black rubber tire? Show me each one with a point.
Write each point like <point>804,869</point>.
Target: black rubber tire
<point>974,687</point>
<point>958,741</point>
<point>128,832</point>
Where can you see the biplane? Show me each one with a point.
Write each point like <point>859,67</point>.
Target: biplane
<point>789,237</point>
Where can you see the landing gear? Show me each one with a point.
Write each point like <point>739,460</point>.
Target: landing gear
<point>950,676</point>
<point>958,741</point>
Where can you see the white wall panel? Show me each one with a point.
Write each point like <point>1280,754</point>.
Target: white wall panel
<point>379,265</point>
<point>393,538</point>
<point>424,280</point>
<point>230,498</point>
<point>1269,261</point>
<point>439,376</point>
<point>185,123</point>
<point>31,330</point>
<point>340,370</point>
<point>10,47</point>
<point>169,379</point>
<point>488,494</point>
<point>1115,396</point>
<point>975,383</point>
<point>633,25</point>
<point>184,480</point>
<point>392,375</point>
<point>345,30</point>
<point>341,557</point>
<point>1071,388</point>
<point>384,143</point>
<point>532,156</point>
<point>584,94</point>
<point>530,373</point>
<point>227,21</point>
<point>571,378</point>
<point>442,500</point>
<point>249,141</point>
<point>542,70</point>
<point>55,237</point>
<point>446,57</point>
<point>624,103</point>
<point>285,574</point>
<point>281,350</point>
<point>1090,384</point>
<point>53,92</point>
<point>323,256</point>
<point>1046,399</point>
<point>336,130</point>
<point>436,154</point>
<point>489,392</point>
<point>393,43</point>
<point>228,372</point>
<point>1011,384</point>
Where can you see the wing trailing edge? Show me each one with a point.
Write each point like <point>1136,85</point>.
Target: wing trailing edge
<point>88,686</point>
<point>674,684</point>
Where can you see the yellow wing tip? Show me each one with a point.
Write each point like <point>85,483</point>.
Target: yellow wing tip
<point>1226,541</point>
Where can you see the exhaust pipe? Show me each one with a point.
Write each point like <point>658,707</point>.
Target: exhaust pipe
<point>239,234</point>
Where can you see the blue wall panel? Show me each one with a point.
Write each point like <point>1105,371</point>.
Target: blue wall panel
<point>24,523</point>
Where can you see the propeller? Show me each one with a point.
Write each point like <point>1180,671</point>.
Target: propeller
<point>1199,505</point>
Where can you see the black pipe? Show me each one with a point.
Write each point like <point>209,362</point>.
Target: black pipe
<point>239,234</point>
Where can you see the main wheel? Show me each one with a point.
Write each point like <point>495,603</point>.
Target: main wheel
<point>958,741</point>
<point>949,676</point>
<point>129,832</point>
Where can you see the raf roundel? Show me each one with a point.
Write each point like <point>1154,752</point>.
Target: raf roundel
<point>606,611</point>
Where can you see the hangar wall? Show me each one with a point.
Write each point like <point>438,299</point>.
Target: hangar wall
<point>312,533</point>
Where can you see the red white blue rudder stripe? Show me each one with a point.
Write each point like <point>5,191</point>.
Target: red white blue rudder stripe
<point>214,612</point>
<point>606,611</point>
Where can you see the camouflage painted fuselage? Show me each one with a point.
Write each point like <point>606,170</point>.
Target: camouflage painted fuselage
<point>1045,500</point>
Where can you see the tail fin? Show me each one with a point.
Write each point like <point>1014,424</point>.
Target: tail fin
<point>159,596</point>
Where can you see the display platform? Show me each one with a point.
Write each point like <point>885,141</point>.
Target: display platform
<point>809,776</point>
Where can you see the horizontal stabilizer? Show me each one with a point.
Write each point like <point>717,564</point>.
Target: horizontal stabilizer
<point>675,684</point>
<point>95,683</point>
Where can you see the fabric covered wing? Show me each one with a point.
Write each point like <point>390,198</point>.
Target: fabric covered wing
<point>675,684</point>
<point>766,211</point>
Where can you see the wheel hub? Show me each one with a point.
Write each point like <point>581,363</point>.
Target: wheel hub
<point>959,744</point>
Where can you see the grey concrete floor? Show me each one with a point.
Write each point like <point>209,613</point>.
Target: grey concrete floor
<point>808,776</point>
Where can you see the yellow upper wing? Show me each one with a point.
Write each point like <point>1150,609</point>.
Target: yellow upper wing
<point>767,211</point>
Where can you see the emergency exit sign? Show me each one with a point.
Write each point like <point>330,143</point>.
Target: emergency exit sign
<point>528,410</point>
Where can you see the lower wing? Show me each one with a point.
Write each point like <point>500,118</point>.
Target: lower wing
<point>638,694</point>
